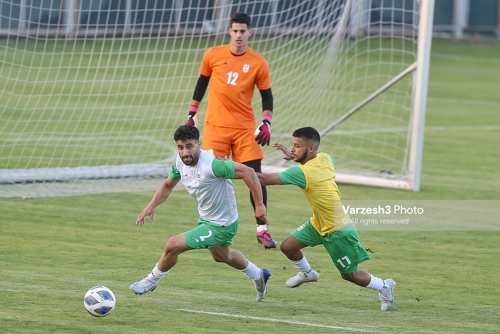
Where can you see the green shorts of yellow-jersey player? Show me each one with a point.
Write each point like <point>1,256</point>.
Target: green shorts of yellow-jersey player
<point>208,235</point>
<point>342,245</point>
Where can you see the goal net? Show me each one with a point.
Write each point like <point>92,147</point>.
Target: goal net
<point>92,92</point>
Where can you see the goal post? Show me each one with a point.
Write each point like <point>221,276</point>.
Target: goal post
<point>92,92</point>
<point>418,107</point>
<point>419,102</point>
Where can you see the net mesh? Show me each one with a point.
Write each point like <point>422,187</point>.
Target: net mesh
<point>91,95</point>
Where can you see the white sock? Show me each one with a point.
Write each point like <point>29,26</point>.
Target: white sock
<point>252,271</point>
<point>156,274</point>
<point>302,265</point>
<point>375,283</point>
<point>261,228</point>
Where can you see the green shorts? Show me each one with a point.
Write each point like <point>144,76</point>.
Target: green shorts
<point>208,235</point>
<point>342,245</point>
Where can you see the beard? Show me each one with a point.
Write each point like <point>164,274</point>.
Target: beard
<point>301,158</point>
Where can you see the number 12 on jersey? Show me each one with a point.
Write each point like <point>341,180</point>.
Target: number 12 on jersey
<point>231,78</point>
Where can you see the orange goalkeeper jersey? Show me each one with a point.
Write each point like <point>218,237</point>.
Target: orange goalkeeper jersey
<point>232,84</point>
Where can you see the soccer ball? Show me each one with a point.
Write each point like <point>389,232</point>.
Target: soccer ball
<point>99,301</point>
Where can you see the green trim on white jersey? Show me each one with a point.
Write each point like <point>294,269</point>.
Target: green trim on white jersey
<point>210,185</point>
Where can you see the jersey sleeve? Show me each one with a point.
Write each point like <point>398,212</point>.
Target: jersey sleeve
<point>174,173</point>
<point>333,159</point>
<point>263,79</point>
<point>224,169</point>
<point>293,175</point>
<point>206,64</point>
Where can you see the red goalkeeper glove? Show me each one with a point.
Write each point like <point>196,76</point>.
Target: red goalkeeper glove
<point>192,116</point>
<point>263,132</point>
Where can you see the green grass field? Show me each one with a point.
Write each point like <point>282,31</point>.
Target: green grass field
<point>53,249</point>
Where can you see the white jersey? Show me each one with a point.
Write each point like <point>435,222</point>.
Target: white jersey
<point>214,195</point>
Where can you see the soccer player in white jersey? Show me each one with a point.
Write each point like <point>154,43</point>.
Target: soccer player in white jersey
<point>207,179</point>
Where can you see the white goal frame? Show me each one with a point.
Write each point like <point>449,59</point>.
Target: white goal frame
<point>38,178</point>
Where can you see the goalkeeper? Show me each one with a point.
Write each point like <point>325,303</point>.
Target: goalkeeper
<point>232,71</point>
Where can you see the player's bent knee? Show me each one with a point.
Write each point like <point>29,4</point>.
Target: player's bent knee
<point>283,247</point>
<point>170,247</point>
<point>175,244</point>
<point>288,249</point>
<point>288,246</point>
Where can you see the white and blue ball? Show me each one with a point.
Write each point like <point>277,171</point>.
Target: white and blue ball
<point>99,301</point>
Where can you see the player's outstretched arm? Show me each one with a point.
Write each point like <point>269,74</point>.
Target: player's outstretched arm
<point>269,179</point>
<point>160,196</point>
<point>250,178</point>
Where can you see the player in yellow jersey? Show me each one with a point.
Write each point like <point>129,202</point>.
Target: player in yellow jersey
<point>329,225</point>
<point>231,72</point>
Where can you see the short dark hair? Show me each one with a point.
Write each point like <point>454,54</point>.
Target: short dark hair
<point>309,134</point>
<point>242,18</point>
<point>187,132</point>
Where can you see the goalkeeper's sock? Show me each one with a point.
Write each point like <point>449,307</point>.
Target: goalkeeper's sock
<point>156,274</point>
<point>261,228</point>
<point>375,283</point>
<point>251,271</point>
<point>302,265</point>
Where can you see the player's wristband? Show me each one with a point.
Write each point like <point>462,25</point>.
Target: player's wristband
<point>192,111</point>
<point>192,114</point>
<point>266,118</point>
